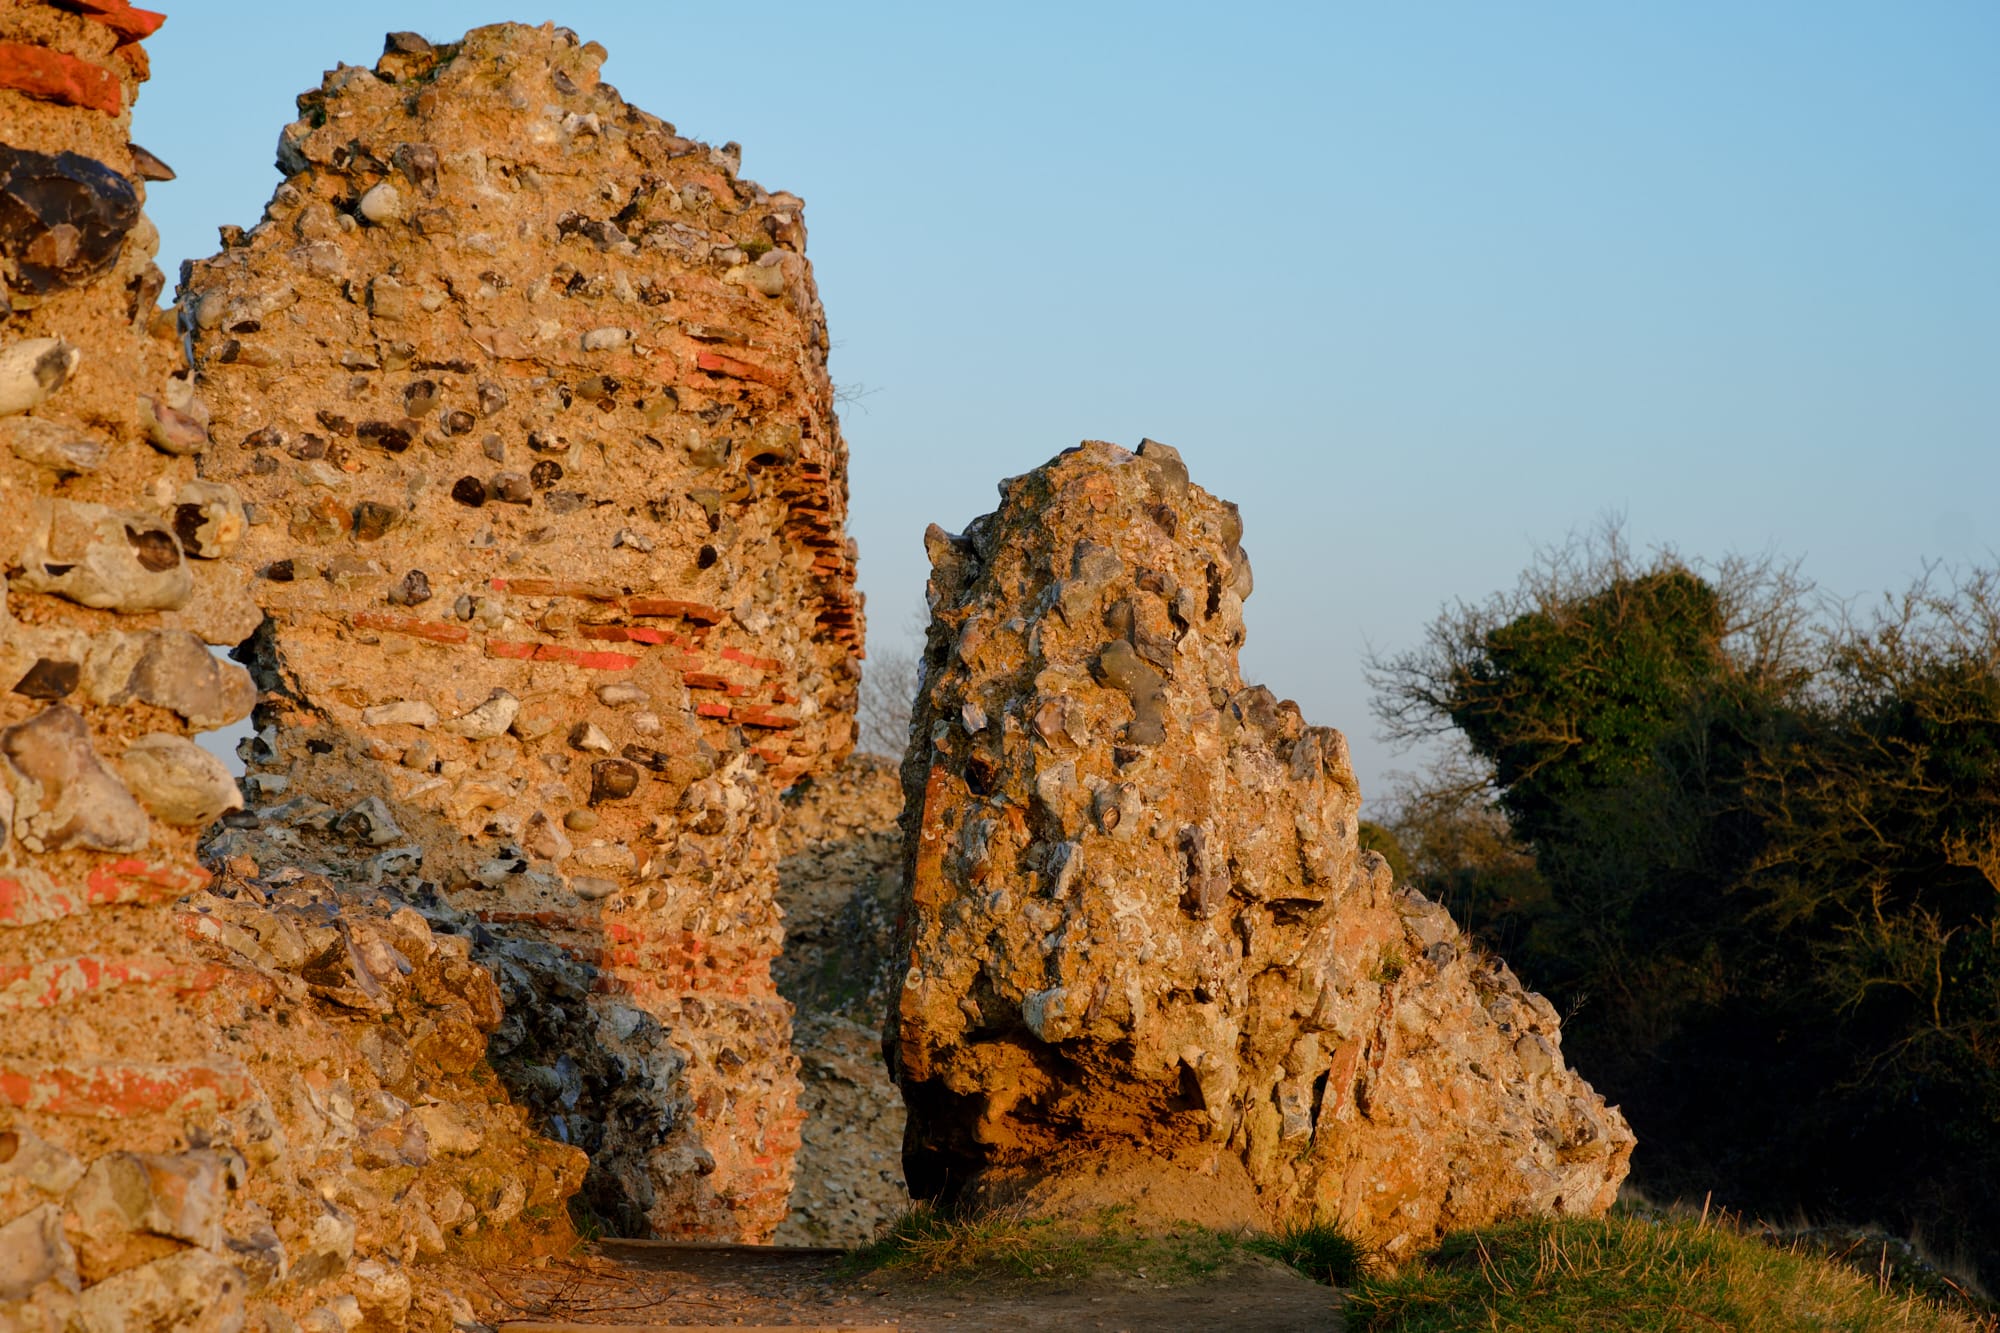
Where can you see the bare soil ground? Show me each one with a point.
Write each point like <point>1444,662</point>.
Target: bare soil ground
<point>635,1285</point>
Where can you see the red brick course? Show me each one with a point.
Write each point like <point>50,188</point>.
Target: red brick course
<point>57,77</point>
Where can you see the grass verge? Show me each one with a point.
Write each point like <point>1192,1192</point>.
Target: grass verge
<point>1545,1275</point>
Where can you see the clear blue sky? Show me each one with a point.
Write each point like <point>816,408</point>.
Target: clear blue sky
<point>1421,286</point>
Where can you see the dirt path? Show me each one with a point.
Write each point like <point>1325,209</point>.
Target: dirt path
<point>635,1285</point>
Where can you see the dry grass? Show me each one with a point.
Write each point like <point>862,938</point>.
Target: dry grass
<point>1622,1273</point>
<point>927,1244</point>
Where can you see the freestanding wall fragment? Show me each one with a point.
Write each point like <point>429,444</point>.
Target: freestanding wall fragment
<point>527,399</point>
<point>219,1100</point>
<point>1149,963</point>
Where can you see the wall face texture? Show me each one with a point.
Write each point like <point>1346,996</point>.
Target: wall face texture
<point>506,454</point>
<point>526,398</point>
<point>1149,963</point>
<point>218,1098</point>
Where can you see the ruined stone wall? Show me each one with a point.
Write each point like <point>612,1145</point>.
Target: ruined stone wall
<point>526,397</point>
<point>839,872</point>
<point>1148,962</point>
<point>218,1100</point>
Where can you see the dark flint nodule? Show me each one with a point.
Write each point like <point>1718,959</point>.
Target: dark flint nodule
<point>414,590</point>
<point>49,679</point>
<point>156,548</point>
<point>469,491</point>
<point>613,780</point>
<point>372,520</point>
<point>63,218</point>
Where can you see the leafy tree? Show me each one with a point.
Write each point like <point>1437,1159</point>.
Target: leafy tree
<point>1765,854</point>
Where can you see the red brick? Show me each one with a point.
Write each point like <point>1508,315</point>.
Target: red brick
<point>119,16</point>
<point>712,710</point>
<point>667,606</point>
<point>113,1090</point>
<point>715,363</point>
<point>57,981</point>
<point>57,77</point>
<point>708,680</point>
<point>434,630</point>
<point>555,652</point>
<point>624,634</point>
<point>763,717</point>
<point>28,896</point>
<point>595,661</point>
<point>751,660</point>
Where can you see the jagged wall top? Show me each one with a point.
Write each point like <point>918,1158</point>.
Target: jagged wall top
<point>606,339</point>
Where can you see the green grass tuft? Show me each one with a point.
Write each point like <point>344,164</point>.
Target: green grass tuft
<point>1544,1275</point>
<point>1320,1251</point>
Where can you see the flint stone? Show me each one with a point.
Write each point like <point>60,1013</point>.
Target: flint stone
<point>126,1197</point>
<point>63,217</point>
<point>370,821</point>
<point>61,449</point>
<point>64,796</point>
<point>104,558</point>
<point>193,1291</point>
<point>178,781</point>
<point>487,721</point>
<point>208,518</point>
<point>402,713</point>
<point>33,369</point>
<point>35,1256</point>
<point>176,671</point>
<point>28,1159</point>
<point>49,679</point>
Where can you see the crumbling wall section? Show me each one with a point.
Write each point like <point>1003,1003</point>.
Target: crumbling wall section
<point>839,866</point>
<point>218,1100</point>
<point>527,399</point>
<point>1146,953</point>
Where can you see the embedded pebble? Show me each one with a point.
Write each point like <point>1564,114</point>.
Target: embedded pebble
<point>52,445</point>
<point>170,429</point>
<point>178,781</point>
<point>621,694</point>
<point>381,204</point>
<point>401,713</point>
<point>613,780</point>
<point>490,719</point>
<point>587,737</point>
<point>64,796</point>
<point>208,518</point>
<point>413,590</point>
<point>370,821</point>
<point>109,559</point>
<point>33,369</point>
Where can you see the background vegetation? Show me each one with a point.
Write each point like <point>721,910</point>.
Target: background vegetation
<point>1750,844</point>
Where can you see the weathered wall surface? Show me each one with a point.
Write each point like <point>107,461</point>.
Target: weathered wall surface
<point>527,399</point>
<point>1141,931</point>
<point>840,854</point>
<point>218,1101</point>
